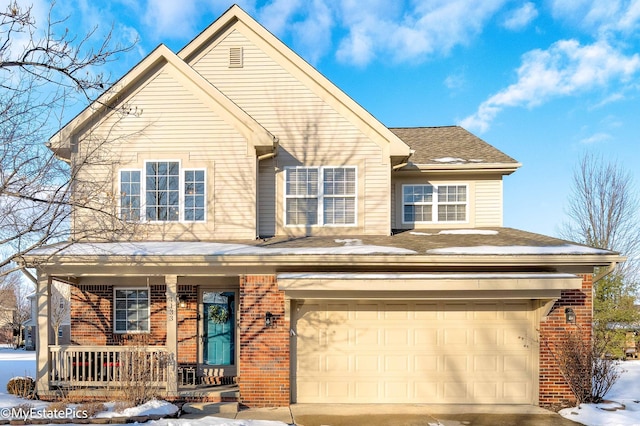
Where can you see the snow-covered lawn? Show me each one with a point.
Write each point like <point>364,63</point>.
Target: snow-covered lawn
<point>624,394</point>
<point>22,363</point>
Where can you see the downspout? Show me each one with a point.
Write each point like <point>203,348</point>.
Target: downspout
<point>606,272</point>
<point>29,275</point>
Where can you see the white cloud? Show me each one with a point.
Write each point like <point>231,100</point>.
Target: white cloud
<point>596,138</point>
<point>383,29</point>
<point>276,15</point>
<point>521,17</point>
<point>172,19</point>
<point>564,69</point>
<point>603,17</point>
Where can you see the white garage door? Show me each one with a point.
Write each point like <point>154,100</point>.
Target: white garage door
<point>414,352</point>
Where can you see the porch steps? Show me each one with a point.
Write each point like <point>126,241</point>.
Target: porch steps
<point>212,394</point>
<point>209,408</point>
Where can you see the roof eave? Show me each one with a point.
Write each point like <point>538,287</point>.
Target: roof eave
<point>502,168</point>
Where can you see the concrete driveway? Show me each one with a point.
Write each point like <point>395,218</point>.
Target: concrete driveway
<point>410,415</point>
<point>407,415</point>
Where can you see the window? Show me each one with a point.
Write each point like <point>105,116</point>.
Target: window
<point>169,194</point>
<point>162,191</point>
<point>131,310</point>
<point>434,203</point>
<point>320,196</point>
<point>194,187</point>
<point>130,195</point>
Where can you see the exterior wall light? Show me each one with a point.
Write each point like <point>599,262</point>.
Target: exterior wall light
<point>269,320</point>
<point>182,302</point>
<point>570,316</point>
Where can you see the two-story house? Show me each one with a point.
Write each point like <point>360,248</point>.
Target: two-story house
<point>276,237</point>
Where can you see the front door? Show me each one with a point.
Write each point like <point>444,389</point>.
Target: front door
<point>218,328</point>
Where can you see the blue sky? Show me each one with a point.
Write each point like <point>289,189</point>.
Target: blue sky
<point>543,81</point>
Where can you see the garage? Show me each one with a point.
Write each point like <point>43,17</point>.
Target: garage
<point>381,351</point>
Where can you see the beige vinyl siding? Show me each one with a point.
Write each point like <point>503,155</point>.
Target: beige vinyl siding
<point>311,131</point>
<point>488,206</point>
<point>169,121</point>
<point>266,198</point>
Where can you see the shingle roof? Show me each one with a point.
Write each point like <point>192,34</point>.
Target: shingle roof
<point>449,145</point>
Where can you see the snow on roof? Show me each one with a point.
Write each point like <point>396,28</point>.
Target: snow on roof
<point>448,160</point>
<point>176,248</point>
<point>459,232</point>
<point>519,250</point>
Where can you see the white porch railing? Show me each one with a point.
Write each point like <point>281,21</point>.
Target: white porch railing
<point>107,366</point>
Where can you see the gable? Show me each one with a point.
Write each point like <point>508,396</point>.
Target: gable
<point>285,69</point>
<point>160,61</point>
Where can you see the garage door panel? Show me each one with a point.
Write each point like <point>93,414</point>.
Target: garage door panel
<point>414,352</point>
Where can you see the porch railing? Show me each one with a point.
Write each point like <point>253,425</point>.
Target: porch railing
<point>107,366</point>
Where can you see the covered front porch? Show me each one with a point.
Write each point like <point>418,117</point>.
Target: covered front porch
<point>176,334</point>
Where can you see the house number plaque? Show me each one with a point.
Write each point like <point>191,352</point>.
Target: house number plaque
<point>171,308</point>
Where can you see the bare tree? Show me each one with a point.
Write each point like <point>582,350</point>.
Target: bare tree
<point>604,213</point>
<point>15,307</point>
<point>44,69</point>
<point>604,210</point>
<point>60,309</point>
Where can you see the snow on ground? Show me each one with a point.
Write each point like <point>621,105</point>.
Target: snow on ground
<point>23,363</point>
<point>625,393</point>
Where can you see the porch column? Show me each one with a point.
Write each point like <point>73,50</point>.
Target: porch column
<point>43,288</point>
<point>171,282</point>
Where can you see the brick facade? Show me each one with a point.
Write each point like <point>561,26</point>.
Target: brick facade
<point>188,325</point>
<point>554,391</point>
<point>92,316</point>
<point>264,351</point>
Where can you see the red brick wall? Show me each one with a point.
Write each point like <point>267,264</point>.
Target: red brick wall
<point>554,391</point>
<point>92,316</point>
<point>264,352</point>
<point>188,325</point>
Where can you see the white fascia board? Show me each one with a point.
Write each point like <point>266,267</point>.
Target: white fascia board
<point>426,282</point>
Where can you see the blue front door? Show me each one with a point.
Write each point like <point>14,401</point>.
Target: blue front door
<point>219,328</point>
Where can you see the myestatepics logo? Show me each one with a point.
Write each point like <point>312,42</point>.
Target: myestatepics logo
<point>42,413</point>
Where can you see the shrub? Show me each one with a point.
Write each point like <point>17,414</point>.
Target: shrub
<point>91,408</point>
<point>21,386</point>
<point>585,367</point>
<point>140,372</point>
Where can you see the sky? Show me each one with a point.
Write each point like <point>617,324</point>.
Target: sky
<point>544,81</point>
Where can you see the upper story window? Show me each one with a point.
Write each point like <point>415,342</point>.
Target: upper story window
<point>320,196</point>
<point>131,310</point>
<point>170,194</point>
<point>130,195</point>
<point>434,203</point>
<point>162,191</point>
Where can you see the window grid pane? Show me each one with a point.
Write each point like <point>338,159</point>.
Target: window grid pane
<point>452,205</point>
<point>131,310</point>
<point>339,204</point>
<point>194,186</point>
<point>417,203</point>
<point>130,195</point>
<point>301,196</point>
<point>163,191</point>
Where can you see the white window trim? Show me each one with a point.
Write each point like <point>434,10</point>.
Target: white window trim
<point>436,204</point>
<point>119,192</point>
<point>115,330</point>
<point>182,196</point>
<point>320,197</point>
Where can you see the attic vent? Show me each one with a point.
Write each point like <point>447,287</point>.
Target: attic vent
<point>235,57</point>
